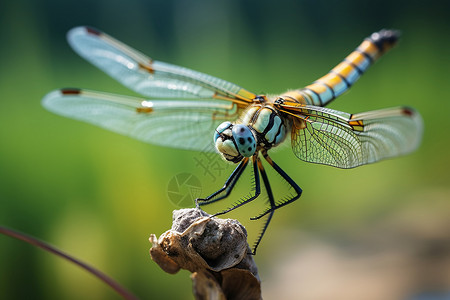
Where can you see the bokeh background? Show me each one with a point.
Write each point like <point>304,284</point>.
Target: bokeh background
<point>376,232</point>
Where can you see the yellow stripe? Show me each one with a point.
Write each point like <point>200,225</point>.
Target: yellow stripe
<point>359,60</point>
<point>355,123</point>
<point>243,94</point>
<point>344,69</point>
<point>332,80</point>
<point>295,94</point>
<point>336,83</point>
<point>318,88</point>
<point>369,48</point>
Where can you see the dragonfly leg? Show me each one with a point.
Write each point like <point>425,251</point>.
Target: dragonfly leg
<point>227,187</point>
<point>271,202</point>
<point>255,159</point>
<point>290,199</point>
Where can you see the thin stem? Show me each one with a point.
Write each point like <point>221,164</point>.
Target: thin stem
<point>38,243</point>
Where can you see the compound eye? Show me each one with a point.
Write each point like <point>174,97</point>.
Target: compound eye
<point>220,129</point>
<point>244,140</point>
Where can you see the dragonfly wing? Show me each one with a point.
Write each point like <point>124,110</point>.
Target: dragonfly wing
<point>180,124</point>
<point>343,140</point>
<point>146,76</point>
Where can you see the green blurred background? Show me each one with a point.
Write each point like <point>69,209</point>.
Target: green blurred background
<point>99,195</point>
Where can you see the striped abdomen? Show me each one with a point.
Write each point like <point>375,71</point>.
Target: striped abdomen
<point>341,77</point>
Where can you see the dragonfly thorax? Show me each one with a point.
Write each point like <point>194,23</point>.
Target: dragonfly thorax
<point>268,126</point>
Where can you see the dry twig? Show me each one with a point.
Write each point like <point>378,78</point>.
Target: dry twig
<point>214,250</point>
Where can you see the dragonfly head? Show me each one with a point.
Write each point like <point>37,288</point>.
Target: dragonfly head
<point>234,141</point>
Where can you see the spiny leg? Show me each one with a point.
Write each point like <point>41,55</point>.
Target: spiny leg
<point>228,186</point>
<point>257,188</point>
<point>271,202</point>
<point>288,179</point>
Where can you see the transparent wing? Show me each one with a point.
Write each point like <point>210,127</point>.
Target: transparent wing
<point>180,124</point>
<point>330,137</point>
<point>146,76</point>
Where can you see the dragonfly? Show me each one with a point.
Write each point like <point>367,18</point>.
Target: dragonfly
<point>186,109</point>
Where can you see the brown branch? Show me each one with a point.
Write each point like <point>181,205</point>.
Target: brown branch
<point>214,250</point>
